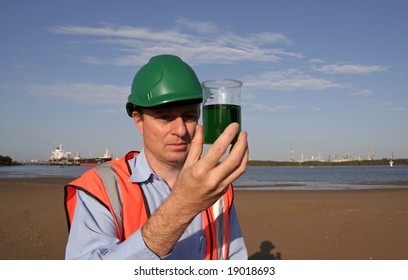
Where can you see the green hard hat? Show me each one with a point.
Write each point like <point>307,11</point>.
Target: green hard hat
<point>164,79</point>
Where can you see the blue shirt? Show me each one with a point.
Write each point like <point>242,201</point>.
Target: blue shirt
<point>93,232</point>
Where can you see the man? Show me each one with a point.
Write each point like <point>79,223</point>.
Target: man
<point>168,201</point>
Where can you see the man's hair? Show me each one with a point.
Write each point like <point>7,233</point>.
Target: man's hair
<point>137,109</point>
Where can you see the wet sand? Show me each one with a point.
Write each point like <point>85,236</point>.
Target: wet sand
<point>357,224</point>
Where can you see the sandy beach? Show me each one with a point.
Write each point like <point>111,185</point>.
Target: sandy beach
<point>290,225</point>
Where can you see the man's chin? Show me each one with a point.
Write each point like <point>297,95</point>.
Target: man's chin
<point>178,156</point>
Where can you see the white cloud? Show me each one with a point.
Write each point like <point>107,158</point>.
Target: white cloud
<point>247,95</point>
<point>389,105</point>
<point>291,79</point>
<point>82,93</point>
<point>201,42</point>
<point>128,32</point>
<point>339,68</point>
<point>196,42</point>
<point>270,38</point>
<point>364,92</point>
<point>316,60</point>
<point>384,104</point>
<point>267,108</point>
<point>399,109</point>
<point>198,26</point>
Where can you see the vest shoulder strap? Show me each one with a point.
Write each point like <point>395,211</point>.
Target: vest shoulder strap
<point>108,183</point>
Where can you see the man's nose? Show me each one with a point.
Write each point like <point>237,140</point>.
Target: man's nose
<point>179,127</point>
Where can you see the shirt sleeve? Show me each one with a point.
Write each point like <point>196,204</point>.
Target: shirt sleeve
<point>93,235</point>
<point>237,248</point>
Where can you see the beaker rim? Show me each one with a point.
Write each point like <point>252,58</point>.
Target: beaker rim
<point>221,83</point>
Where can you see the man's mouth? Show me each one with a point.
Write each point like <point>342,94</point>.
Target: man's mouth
<point>178,146</point>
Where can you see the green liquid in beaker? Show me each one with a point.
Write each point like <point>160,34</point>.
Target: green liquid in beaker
<point>216,118</point>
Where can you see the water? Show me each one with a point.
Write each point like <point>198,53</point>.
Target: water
<point>265,178</point>
<point>37,171</point>
<point>325,177</point>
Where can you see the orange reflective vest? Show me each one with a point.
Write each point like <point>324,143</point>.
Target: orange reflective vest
<point>109,184</point>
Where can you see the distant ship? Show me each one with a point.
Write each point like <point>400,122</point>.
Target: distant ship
<point>62,156</point>
<point>93,161</point>
<point>59,154</point>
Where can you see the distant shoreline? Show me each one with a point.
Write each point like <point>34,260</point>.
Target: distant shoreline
<point>378,162</point>
<point>304,186</point>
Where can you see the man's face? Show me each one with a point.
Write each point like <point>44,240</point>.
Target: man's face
<point>168,132</point>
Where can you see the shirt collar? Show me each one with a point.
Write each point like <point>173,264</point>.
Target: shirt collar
<point>141,170</point>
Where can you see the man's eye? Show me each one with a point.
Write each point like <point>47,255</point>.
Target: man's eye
<point>166,117</point>
<point>191,117</point>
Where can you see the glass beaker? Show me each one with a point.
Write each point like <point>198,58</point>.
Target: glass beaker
<point>221,106</point>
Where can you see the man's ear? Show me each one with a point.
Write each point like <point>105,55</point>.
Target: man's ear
<point>138,119</point>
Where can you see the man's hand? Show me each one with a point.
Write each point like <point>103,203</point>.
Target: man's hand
<point>201,182</point>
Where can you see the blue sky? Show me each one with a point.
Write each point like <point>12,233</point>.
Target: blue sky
<point>327,77</point>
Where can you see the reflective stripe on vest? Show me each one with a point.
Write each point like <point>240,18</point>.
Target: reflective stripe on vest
<point>108,183</point>
<point>216,222</point>
<point>219,220</point>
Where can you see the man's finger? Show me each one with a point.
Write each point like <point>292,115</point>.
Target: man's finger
<point>238,171</point>
<point>235,163</point>
<point>220,146</point>
<point>196,147</point>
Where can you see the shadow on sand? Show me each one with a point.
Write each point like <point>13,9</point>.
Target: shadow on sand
<point>265,252</point>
